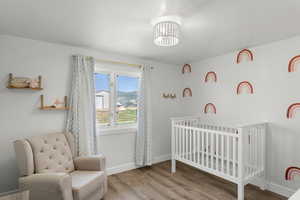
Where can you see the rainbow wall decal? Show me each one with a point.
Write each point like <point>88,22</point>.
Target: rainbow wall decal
<point>210,108</point>
<point>289,173</point>
<point>291,110</point>
<point>187,68</point>
<point>187,92</point>
<point>243,53</point>
<point>211,76</point>
<point>293,62</point>
<point>244,84</point>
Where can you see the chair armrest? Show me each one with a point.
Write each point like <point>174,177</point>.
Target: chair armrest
<point>90,163</point>
<point>48,186</point>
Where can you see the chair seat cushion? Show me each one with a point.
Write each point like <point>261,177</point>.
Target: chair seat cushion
<point>85,183</point>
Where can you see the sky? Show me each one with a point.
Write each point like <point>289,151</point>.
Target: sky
<point>125,83</point>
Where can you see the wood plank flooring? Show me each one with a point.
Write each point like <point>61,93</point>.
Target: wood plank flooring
<point>157,183</point>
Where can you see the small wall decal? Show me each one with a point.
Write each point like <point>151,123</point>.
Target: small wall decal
<point>246,54</point>
<point>169,95</point>
<point>210,108</point>
<point>291,110</point>
<point>291,172</point>
<point>187,68</point>
<point>246,85</point>
<point>293,63</point>
<point>211,76</point>
<point>187,92</point>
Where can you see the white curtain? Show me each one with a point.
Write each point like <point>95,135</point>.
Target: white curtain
<point>143,156</point>
<point>81,116</point>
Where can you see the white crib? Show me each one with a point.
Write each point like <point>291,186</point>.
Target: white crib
<point>236,154</point>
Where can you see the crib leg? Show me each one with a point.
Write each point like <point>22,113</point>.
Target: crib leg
<point>263,184</point>
<point>241,191</point>
<point>173,170</point>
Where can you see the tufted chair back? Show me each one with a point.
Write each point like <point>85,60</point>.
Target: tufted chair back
<point>44,154</point>
<point>51,153</point>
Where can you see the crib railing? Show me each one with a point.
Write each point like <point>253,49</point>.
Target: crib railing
<point>254,148</point>
<point>232,153</point>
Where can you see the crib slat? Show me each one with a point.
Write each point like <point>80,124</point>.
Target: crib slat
<point>176,142</point>
<point>252,150</point>
<point>184,142</point>
<point>255,149</point>
<point>212,150</point>
<point>234,172</point>
<point>202,147</point>
<point>222,153</point>
<point>198,146</point>
<point>258,148</point>
<point>261,148</point>
<point>206,151</point>
<point>190,144</point>
<point>180,143</point>
<point>228,157</point>
<point>217,152</point>
<point>247,145</point>
<point>194,145</point>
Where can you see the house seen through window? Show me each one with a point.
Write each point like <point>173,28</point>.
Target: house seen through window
<point>116,99</point>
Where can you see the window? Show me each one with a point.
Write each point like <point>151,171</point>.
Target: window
<point>102,83</point>
<point>116,98</point>
<point>127,89</point>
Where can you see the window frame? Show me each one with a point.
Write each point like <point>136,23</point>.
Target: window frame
<point>113,125</point>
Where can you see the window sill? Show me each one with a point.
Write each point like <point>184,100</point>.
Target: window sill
<point>106,131</point>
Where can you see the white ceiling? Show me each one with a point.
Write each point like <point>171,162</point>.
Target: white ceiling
<point>210,27</point>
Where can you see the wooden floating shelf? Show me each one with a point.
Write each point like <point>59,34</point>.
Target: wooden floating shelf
<point>52,108</point>
<point>10,85</point>
<point>43,107</point>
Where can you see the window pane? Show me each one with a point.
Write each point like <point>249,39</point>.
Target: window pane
<point>102,98</point>
<point>127,91</point>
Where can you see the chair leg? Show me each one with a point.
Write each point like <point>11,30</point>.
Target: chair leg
<point>263,180</point>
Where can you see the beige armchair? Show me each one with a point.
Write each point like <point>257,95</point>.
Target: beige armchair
<point>48,170</point>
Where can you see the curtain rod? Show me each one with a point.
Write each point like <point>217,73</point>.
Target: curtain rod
<point>118,62</point>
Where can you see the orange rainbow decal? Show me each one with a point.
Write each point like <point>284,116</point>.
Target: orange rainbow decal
<point>210,108</point>
<point>187,92</point>
<point>211,76</point>
<point>244,52</point>
<point>244,84</point>
<point>187,68</point>
<point>289,173</point>
<point>293,62</point>
<point>291,110</point>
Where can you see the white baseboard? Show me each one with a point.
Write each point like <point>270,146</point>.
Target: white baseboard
<point>161,158</point>
<point>121,168</point>
<point>129,166</point>
<point>273,187</point>
<point>279,189</point>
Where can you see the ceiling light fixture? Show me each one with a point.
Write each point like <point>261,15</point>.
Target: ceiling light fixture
<point>166,31</point>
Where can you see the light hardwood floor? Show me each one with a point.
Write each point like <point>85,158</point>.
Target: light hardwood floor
<point>157,183</point>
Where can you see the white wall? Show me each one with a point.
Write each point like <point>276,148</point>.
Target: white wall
<point>274,90</point>
<point>20,116</point>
